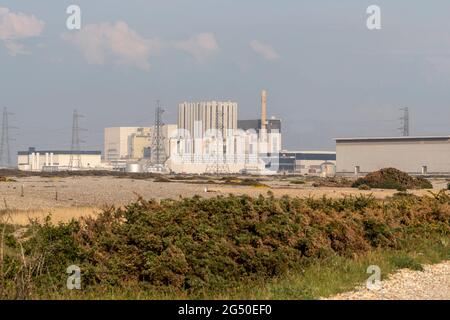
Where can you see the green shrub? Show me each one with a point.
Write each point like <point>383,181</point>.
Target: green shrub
<point>161,179</point>
<point>377,233</point>
<point>403,194</point>
<point>406,262</point>
<point>332,182</point>
<point>297,182</point>
<point>244,182</point>
<point>423,183</point>
<point>196,244</point>
<point>364,187</point>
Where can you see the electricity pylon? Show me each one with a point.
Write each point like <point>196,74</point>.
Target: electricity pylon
<point>75,155</point>
<point>404,120</point>
<point>220,166</point>
<point>158,150</point>
<point>5,152</point>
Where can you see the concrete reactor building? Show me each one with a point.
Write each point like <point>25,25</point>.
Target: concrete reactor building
<point>414,155</point>
<point>209,114</point>
<point>209,140</point>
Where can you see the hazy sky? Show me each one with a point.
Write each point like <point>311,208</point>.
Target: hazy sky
<point>327,75</point>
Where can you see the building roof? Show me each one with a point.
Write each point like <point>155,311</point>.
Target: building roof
<point>392,139</point>
<point>31,150</point>
<point>309,152</point>
<point>255,124</point>
<point>309,155</point>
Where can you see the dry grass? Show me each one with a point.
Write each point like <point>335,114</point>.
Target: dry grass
<point>22,218</point>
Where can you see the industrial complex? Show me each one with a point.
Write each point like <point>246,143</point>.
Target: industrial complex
<point>209,138</point>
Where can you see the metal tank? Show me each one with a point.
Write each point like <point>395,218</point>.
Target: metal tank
<point>134,168</point>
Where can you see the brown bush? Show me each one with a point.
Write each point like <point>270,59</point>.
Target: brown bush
<point>391,178</point>
<point>196,244</point>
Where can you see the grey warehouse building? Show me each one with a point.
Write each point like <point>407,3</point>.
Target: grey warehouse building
<point>414,155</point>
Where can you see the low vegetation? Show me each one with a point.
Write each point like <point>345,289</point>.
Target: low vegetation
<point>364,187</point>
<point>199,247</point>
<point>6,179</point>
<point>297,182</point>
<point>234,181</point>
<point>161,179</point>
<point>391,178</point>
<point>332,182</point>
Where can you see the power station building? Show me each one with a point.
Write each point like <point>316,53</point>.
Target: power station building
<point>273,131</point>
<point>117,144</point>
<point>199,117</point>
<point>133,143</point>
<point>209,140</point>
<point>56,160</point>
<point>414,155</point>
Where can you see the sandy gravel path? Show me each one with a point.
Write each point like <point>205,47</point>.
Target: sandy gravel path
<point>433,283</point>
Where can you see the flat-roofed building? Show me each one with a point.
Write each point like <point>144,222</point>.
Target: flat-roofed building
<point>306,162</point>
<point>55,160</point>
<point>413,154</point>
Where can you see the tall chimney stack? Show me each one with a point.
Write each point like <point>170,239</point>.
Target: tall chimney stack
<point>263,109</point>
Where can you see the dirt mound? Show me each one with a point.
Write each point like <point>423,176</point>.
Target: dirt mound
<point>391,178</point>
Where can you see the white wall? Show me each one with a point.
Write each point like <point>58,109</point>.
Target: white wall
<point>408,156</point>
<point>36,161</point>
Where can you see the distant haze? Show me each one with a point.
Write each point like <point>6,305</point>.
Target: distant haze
<point>326,74</point>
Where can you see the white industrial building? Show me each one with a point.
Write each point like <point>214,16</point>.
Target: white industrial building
<point>238,152</point>
<point>57,160</point>
<point>209,140</point>
<point>414,155</point>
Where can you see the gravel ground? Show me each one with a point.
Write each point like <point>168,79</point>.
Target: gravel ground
<point>40,193</point>
<point>433,283</point>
